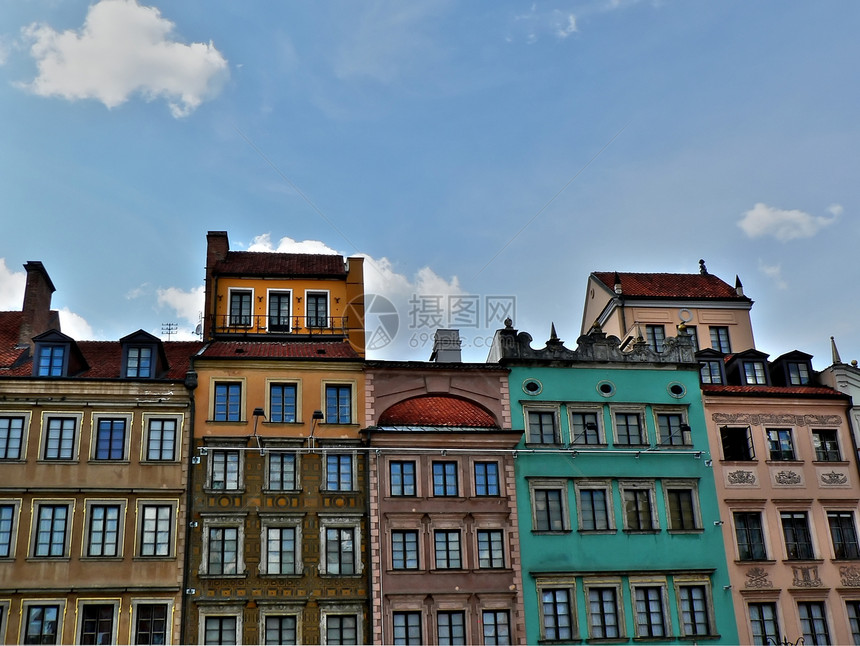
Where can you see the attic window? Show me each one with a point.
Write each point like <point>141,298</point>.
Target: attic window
<point>52,360</point>
<point>138,362</point>
<point>798,373</point>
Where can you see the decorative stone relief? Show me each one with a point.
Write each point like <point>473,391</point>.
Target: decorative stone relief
<point>757,578</point>
<point>787,478</point>
<point>850,576</point>
<point>833,479</point>
<point>741,477</point>
<point>770,419</point>
<point>806,576</point>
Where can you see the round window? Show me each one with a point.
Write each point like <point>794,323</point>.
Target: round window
<point>606,388</point>
<point>677,390</point>
<point>532,387</point>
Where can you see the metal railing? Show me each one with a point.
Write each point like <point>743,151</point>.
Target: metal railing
<point>261,324</point>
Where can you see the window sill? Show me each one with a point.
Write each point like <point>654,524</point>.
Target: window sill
<point>157,463</point>
<point>809,560</point>
<point>227,421</point>
<point>13,461</point>
<point>739,461</point>
<point>102,559</point>
<point>846,559</point>
<point>551,532</point>
<point>840,463</point>
<point>295,575</point>
<point>57,461</point>
<point>642,531</point>
<point>243,575</point>
<point>223,492</point>
<point>695,638</point>
<point>108,462</point>
<point>597,532</point>
<point>281,492</point>
<point>755,562</point>
<point>695,531</point>
<point>785,462</point>
<point>149,559</point>
<point>48,559</point>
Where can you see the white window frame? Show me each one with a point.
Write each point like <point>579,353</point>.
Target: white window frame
<point>597,411</point>
<point>556,421</point>
<point>615,583</point>
<point>214,382</point>
<point>346,609</point>
<point>89,503</point>
<point>640,485</point>
<point>274,521</point>
<point>43,436</point>
<point>683,581</point>
<point>220,610</point>
<point>179,420</point>
<point>353,399</point>
<point>329,315</point>
<point>289,293</point>
<point>15,503</point>
<point>26,604</point>
<point>279,609</point>
<point>230,292</point>
<point>211,451</point>
<point>223,521</point>
<point>94,433</point>
<point>25,433</point>
<point>135,606</point>
<point>668,484</point>
<point>173,504</point>
<point>88,601</point>
<point>674,410</point>
<point>544,484</point>
<point>606,487</point>
<point>643,422</point>
<point>272,381</point>
<point>339,521</point>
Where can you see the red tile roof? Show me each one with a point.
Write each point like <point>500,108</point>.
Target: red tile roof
<point>437,410</point>
<point>670,285</point>
<point>10,327</point>
<point>256,263</point>
<point>281,350</point>
<point>782,391</point>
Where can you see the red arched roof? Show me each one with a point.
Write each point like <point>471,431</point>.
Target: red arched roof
<point>437,410</point>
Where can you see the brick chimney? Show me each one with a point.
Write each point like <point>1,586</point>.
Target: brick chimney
<point>217,246</point>
<point>37,315</point>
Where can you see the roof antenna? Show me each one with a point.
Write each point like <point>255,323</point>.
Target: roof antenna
<point>702,269</point>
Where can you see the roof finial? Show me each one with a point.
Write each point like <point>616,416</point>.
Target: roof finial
<point>617,284</point>
<point>702,269</point>
<point>552,335</point>
<point>834,352</point>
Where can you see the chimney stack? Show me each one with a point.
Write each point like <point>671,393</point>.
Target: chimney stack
<point>37,316</point>
<point>446,347</point>
<point>217,246</point>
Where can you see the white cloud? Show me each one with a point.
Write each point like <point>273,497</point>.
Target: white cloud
<point>122,49</point>
<point>75,326</point>
<point>186,304</point>
<point>536,23</point>
<point>764,220</point>
<point>565,24</point>
<point>774,272</point>
<point>288,245</point>
<point>11,288</point>
<point>835,210</point>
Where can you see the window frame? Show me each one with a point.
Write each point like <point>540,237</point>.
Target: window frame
<point>36,521</point>
<point>544,484</point>
<point>400,490</point>
<point>147,443</point>
<point>613,584</point>
<point>52,369</point>
<point>229,611</point>
<point>25,417</point>
<point>691,486</point>
<point>216,522</point>
<point>450,614</point>
<point>80,610</point>
<point>47,418</point>
<point>682,583</point>
<point>555,426</point>
<point>341,610</point>
<point>403,563</point>
<point>852,609</point>
<point>568,586</point>
<point>14,523</point>
<point>141,531</point>
<point>486,475</point>
<point>597,413</point>
<point>799,546</point>
<point>240,319</point>
<point>338,416</point>
<point>778,454</point>
<point>714,369</point>
<point>809,604</point>
<point>798,373</point>
<point>649,487</point>
<point>655,336</point>
<point>719,343</point>
<point>233,412</point>
<point>496,559</point>
<point>442,488</point>
<point>604,486</point>
<point>684,428</point>
<point>284,416</point>
<point>96,434</point>
<point>281,521</point>
<point>850,548</point>
<point>651,583</point>
<point>639,413</point>
<point>750,444</point>
<point>339,521</point>
<point>312,321</point>
<point>498,637</point>
<point>753,372</point>
<point>448,553</point>
<point>282,611</point>
<point>750,543</point>
<point>28,604</point>
<point>279,294</point>
<point>89,518</point>
<point>405,634</point>
<point>825,449</point>
<point>132,368</point>
<point>346,468</point>
<point>763,635</point>
<point>137,604</point>
<point>214,469</point>
<point>280,455</point>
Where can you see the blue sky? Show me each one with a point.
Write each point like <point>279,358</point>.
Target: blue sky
<point>480,149</point>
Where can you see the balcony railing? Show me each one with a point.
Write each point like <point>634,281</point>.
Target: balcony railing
<point>281,325</point>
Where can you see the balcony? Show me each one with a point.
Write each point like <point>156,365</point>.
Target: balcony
<point>245,325</point>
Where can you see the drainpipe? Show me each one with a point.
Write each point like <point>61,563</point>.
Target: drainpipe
<point>190,385</point>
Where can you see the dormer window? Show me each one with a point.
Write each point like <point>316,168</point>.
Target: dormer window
<point>139,362</point>
<point>798,373</point>
<point>57,355</point>
<point>51,360</point>
<point>755,373</point>
<point>711,372</point>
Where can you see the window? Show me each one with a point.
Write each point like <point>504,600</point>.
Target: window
<point>754,373</point>
<point>407,628</point>
<point>7,530</point>
<point>110,439</point>
<point>655,335</point>
<point>628,429</point>
<point>281,550</point>
<point>813,622</point>
<point>240,307</point>
<point>51,360</point>
<point>711,371</point>
<point>673,429</point>
<point>549,509</point>
<point>826,445</point>
<point>603,613</point>
<point>798,373</point>
<point>60,441</point>
<point>497,627</point>
<point>11,437</point>
<point>220,630</point>
<point>445,479</point>
<point>795,529</point>
<point>557,614</point>
<point>161,440</point>
<point>317,309</point>
<point>638,507</point>
<point>448,554</point>
<point>156,530</point>
<point>844,534</point>
<point>693,333</point>
<point>682,506</point>
<point>42,624</point>
<point>282,471</point>
<point>223,556</point>
<point>853,608</point>
<point>139,362</point>
<point>338,472</point>
<point>228,401</point>
<point>404,550</point>
<point>720,339</point>
<point>584,428</point>
<point>402,478</point>
<point>97,623</point>
<point>694,606</point>
<point>150,623</point>
<point>593,506</point>
<point>340,556</point>
<point>780,444</point>
<point>650,611</point>
<point>338,404</point>
<point>341,629</point>
<point>280,629</point>
<point>750,536</point>
<point>451,628</point>
<point>737,443</point>
<point>51,531</point>
<point>282,403</point>
<point>224,474</point>
<point>543,428</point>
<point>279,311</point>
<point>486,478</point>
<point>763,623</point>
<point>491,548</point>
<point>104,530</point>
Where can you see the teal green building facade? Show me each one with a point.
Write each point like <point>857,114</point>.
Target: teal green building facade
<point>618,520</point>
